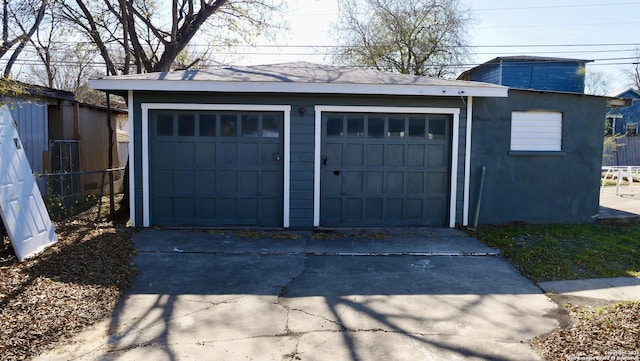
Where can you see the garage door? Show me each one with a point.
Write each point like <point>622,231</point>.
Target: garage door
<point>216,168</point>
<point>385,169</point>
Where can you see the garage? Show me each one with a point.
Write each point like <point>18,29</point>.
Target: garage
<point>216,167</point>
<point>385,169</point>
<point>299,145</point>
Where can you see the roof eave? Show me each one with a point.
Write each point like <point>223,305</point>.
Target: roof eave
<point>618,102</point>
<point>488,90</point>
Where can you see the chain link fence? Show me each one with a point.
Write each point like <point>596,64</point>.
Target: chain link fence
<point>69,193</point>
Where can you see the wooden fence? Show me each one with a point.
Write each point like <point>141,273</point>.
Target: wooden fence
<point>626,154</point>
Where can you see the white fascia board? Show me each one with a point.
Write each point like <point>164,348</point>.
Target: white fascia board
<point>282,87</point>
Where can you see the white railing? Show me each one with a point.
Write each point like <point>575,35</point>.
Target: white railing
<point>631,173</point>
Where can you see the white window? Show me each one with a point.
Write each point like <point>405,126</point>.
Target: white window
<point>536,131</point>
<point>632,128</point>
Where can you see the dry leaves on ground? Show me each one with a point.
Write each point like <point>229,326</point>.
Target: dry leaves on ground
<point>71,285</point>
<point>596,333</point>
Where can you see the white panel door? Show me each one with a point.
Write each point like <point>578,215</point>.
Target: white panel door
<point>23,211</point>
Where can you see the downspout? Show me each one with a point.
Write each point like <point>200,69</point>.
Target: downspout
<point>467,163</point>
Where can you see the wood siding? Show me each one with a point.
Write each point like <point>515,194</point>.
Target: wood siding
<point>627,153</point>
<point>556,76</point>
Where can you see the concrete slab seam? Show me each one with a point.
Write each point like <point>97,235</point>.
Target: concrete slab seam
<point>353,254</point>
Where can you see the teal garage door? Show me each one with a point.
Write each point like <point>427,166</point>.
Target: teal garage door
<point>385,169</point>
<point>215,168</point>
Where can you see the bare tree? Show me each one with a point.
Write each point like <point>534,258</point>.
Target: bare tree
<point>20,20</point>
<point>420,37</point>
<point>632,73</point>
<point>135,36</point>
<point>596,83</point>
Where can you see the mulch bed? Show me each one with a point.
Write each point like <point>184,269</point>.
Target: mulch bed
<point>71,285</point>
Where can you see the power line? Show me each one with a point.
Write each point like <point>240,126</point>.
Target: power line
<point>558,25</point>
<point>559,6</point>
<point>345,46</point>
<point>602,61</point>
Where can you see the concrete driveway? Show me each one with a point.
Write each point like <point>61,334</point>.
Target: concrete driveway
<point>412,294</point>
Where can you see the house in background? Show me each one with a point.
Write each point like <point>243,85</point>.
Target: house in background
<point>531,72</point>
<point>60,134</point>
<point>308,145</point>
<point>624,120</point>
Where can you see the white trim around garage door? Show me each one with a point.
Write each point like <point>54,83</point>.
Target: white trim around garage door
<point>319,109</point>
<point>131,163</point>
<point>285,109</point>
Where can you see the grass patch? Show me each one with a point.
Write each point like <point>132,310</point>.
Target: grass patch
<point>565,252</point>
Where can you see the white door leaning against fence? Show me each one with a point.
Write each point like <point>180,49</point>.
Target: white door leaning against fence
<point>23,211</point>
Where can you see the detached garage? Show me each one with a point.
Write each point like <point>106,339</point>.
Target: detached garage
<point>301,145</point>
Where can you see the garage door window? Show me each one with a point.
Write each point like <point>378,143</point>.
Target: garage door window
<point>437,128</point>
<point>392,126</point>
<point>270,127</point>
<point>396,127</point>
<point>228,125</point>
<point>250,125</point>
<point>186,125</point>
<point>207,125</point>
<point>165,124</point>
<point>416,127</point>
<point>334,126</point>
<point>376,127</point>
<point>355,126</point>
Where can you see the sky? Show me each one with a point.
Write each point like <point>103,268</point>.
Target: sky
<point>605,31</point>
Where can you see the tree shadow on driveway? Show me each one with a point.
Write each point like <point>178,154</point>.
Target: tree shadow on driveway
<point>301,306</point>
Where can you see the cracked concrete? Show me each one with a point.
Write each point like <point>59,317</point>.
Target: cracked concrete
<point>302,299</point>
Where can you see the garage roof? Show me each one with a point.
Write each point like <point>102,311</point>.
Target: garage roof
<point>297,77</point>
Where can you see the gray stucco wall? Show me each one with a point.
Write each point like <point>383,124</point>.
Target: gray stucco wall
<point>537,188</point>
<point>302,136</point>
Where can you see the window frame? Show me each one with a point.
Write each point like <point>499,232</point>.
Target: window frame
<point>539,139</point>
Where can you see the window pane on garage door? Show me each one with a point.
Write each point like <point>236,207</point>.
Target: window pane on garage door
<point>212,168</point>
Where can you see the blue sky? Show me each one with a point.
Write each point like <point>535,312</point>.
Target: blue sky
<point>602,30</point>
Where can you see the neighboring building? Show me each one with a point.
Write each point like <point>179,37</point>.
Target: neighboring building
<point>60,134</point>
<point>624,120</point>
<point>531,72</point>
<point>623,123</point>
<point>307,145</point>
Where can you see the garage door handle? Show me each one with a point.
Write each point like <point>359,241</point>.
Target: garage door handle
<point>324,159</point>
